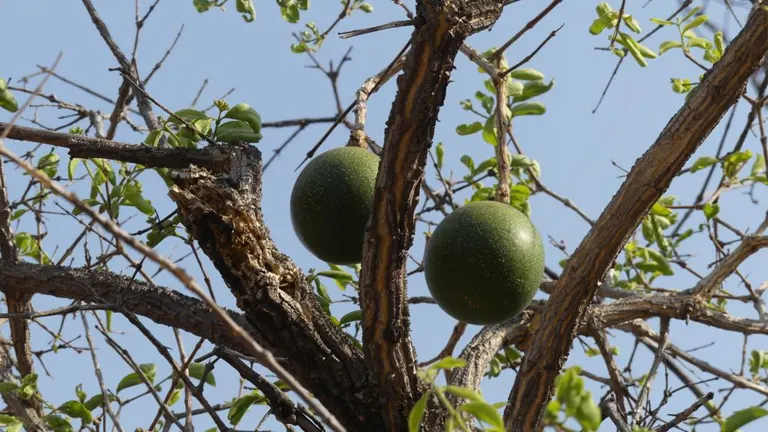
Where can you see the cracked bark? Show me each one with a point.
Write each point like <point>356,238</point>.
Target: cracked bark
<point>440,28</point>
<point>223,212</point>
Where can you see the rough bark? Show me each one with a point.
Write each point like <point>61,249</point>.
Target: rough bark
<point>721,86</point>
<point>161,305</point>
<point>214,158</point>
<point>223,212</point>
<point>440,29</point>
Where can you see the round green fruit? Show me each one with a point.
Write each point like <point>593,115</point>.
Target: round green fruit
<point>331,202</point>
<point>484,262</point>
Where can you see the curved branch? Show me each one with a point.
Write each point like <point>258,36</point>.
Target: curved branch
<point>649,178</point>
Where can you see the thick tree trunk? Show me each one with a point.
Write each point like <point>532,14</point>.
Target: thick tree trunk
<point>440,29</point>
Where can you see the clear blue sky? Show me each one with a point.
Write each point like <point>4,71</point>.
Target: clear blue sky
<point>574,146</point>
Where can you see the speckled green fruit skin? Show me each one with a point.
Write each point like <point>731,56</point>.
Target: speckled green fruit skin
<point>331,202</point>
<point>484,262</point>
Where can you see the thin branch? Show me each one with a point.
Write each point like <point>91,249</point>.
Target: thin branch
<point>683,415</point>
<point>387,26</point>
<point>99,377</point>
<point>528,26</point>
<point>646,387</point>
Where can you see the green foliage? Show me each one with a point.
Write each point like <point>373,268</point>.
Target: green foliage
<point>472,404</point>
<point>573,401</point>
<point>133,379</point>
<point>7,100</point>
<point>609,19</point>
<point>241,406</point>
<point>197,370</point>
<point>742,417</point>
<point>76,409</point>
<point>244,7</point>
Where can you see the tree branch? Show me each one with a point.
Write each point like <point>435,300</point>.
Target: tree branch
<point>161,305</point>
<point>440,28</point>
<point>85,147</point>
<point>649,178</point>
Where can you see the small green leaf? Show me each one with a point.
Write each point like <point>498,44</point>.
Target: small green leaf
<point>719,42</point>
<point>339,275</point>
<point>701,19</point>
<point>105,168</point>
<point>244,112</point>
<point>489,131</point>
<point>464,392</point>
<point>485,413</point>
<point>76,409</point>
<point>629,43</point>
<point>697,42</point>
<point>18,213</point>
<point>485,166</point>
<point>603,9</point>
<point>742,417</point>
<point>133,197</point>
<point>758,166</point>
<point>351,317</point>
<point>661,22</point>
<point>58,423</point>
<point>469,129</point>
<point>366,7</point>
<point>532,89</point>
<point>756,361</point>
<point>175,396</point>
<point>440,154</point>
<point>237,131</point>
<point>7,100</point>
<point>514,88</point>
<point>196,370</point>
<point>681,85</point>
<point>245,7</point>
<point>97,401</point>
<point>703,162</point>
<point>692,12</point>
<point>588,414</point>
<point>203,5</point>
<point>241,406</point>
<point>449,363</point>
<point>417,413</point>
<point>81,395</point>
<point>632,23</point>
<point>668,45</point>
<point>526,75</point>
<point>188,114</point>
<point>711,210</point>
<point>49,164</point>
<point>133,379</point>
<point>71,168</point>
<point>6,387</point>
<point>646,52</point>
<point>528,108</point>
<point>6,419</point>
